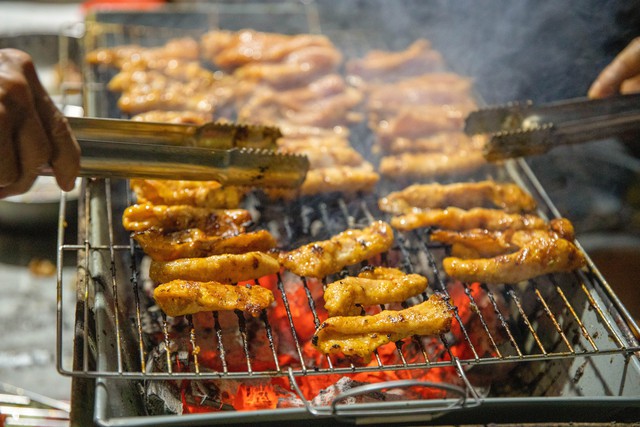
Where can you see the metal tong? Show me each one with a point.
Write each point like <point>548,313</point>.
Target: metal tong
<point>523,129</point>
<point>232,154</point>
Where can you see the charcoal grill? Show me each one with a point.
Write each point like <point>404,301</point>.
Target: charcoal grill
<point>563,347</point>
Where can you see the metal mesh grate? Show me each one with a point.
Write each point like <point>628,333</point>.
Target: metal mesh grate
<point>555,316</point>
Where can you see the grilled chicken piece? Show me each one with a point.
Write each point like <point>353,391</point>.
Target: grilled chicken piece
<point>465,195</point>
<point>219,222</point>
<point>195,243</point>
<point>379,285</point>
<point>207,194</point>
<point>417,166</point>
<point>541,252</point>
<point>444,142</point>
<point>359,336</point>
<point>379,65</point>
<point>459,219</point>
<point>320,259</point>
<point>180,297</point>
<point>426,89</point>
<point>227,268</point>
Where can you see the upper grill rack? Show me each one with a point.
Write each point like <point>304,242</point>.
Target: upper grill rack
<point>552,317</point>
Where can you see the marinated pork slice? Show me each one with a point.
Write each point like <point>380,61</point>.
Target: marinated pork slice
<point>227,268</point>
<point>453,218</point>
<point>352,246</point>
<point>377,285</point>
<point>466,195</point>
<point>220,222</point>
<point>421,166</point>
<point>180,297</point>
<point>385,66</point>
<point>359,336</point>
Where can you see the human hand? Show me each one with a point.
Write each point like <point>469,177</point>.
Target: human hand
<point>33,132</point>
<point>621,76</point>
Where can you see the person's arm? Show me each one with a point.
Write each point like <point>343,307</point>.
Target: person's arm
<point>33,132</point>
<point>621,76</point>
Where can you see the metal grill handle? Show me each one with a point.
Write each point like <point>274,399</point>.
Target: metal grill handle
<point>428,410</point>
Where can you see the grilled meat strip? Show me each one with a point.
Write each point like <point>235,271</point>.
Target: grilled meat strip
<point>459,219</point>
<point>230,50</point>
<point>379,285</point>
<point>227,268</point>
<point>425,89</point>
<point>465,195</point>
<point>541,252</point>
<point>195,243</point>
<point>320,259</point>
<point>444,142</point>
<point>379,65</point>
<point>207,194</point>
<point>219,222</point>
<point>418,166</point>
<point>482,243</point>
<point>359,336</point>
<point>180,297</point>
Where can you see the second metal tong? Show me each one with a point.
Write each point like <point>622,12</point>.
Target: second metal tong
<point>232,154</point>
<point>522,129</point>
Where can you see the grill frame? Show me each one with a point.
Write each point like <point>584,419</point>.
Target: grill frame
<point>98,251</point>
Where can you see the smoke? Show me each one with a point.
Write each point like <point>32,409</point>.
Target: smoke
<point>519,49</point>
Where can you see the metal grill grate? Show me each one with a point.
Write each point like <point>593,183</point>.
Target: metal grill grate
<point>556,316</point>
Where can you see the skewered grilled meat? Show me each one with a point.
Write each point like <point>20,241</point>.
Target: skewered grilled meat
<point>416,166</point>
<point>195,243</point>
<point>180,297</point>
<point>141,217</point>
<point>465,195</point>
<point>459,219</point>
<point>227,268</point>
<point>208,194</point>
<point>359,336</point>
<point>320,259</point>
<point>379,285</point>
<point>541,252</point>
<point>379,65</point>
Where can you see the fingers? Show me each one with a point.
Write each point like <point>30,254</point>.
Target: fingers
<point>625,66</point>
<point>64,156</point>
<point>33,132</point>
<point>33,151</point>
<point>9,170</point>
